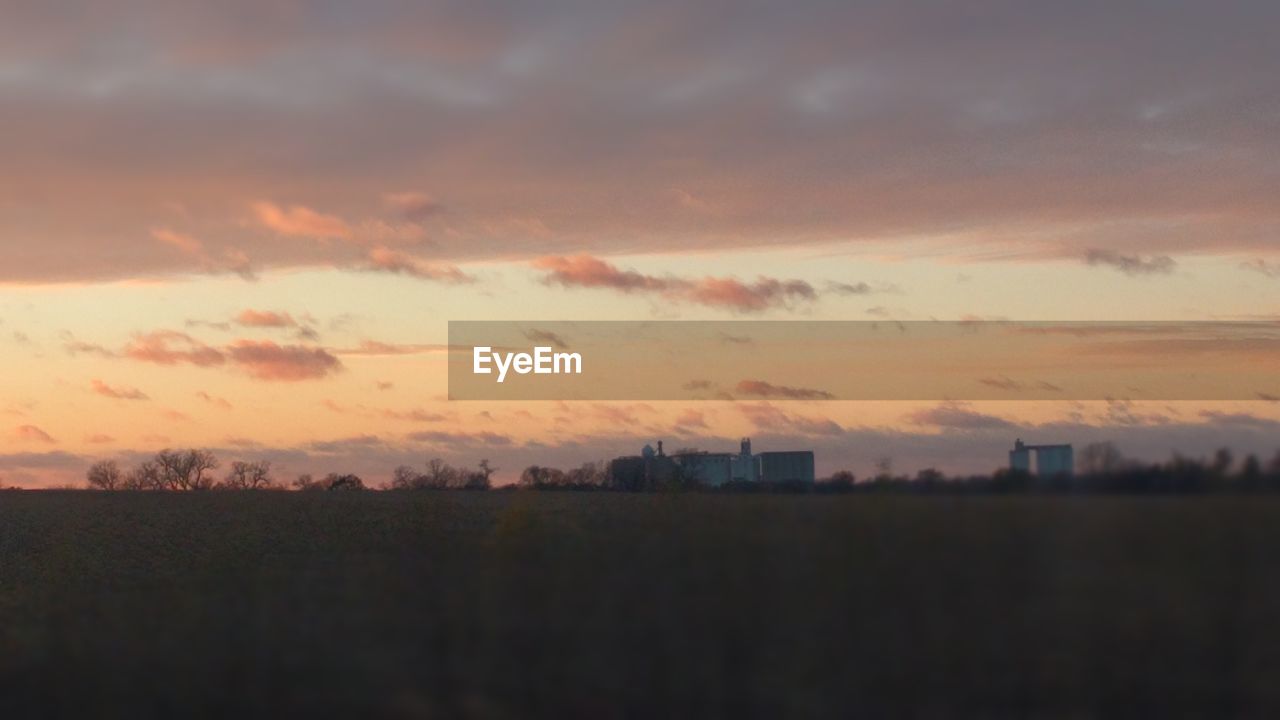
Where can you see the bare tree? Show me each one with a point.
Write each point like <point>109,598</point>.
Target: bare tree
<point>144,477</point>
<point>334,481</point>
<point>248,475</point>
<point>105,475</point>
<point>405,478</point>
<point>186,469</point>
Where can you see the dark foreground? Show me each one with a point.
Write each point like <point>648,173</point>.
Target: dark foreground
<point>603,605</point>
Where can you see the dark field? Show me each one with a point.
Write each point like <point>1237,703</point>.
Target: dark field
<point>607,605</point>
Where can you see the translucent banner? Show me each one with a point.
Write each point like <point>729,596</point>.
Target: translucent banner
<point>872,360</point>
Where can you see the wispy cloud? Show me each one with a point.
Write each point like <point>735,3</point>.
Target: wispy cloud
<point>760,388</point>
<point>117,392</point>
<point>586,271</point>
<point>265,319</point>
<point>1134,265</point>
<point>956,416</point>
<point>261,359</point>
<point>31,433</point>
<point>384,259</point>
<point>300,221</point>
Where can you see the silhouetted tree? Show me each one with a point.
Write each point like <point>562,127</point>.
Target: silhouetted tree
<point>105,475</point>
<point>248,475</point>
<point>186,469</point>
<point>334,481</point>
<point>144,477</point>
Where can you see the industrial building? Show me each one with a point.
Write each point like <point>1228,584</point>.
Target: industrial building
<point>652,468</point>
<point>1050,460</point>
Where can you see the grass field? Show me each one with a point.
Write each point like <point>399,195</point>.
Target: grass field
<point>607,605</point>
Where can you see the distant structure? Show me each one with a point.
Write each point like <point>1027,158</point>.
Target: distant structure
<point>1050,460</point>
<point>653,468</point>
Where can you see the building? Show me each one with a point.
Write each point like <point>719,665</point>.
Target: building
<point>793,466</point>
<point>652,468</point>
<point>1050,460</point>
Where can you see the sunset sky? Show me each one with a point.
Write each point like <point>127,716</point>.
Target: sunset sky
<point>245,226</point>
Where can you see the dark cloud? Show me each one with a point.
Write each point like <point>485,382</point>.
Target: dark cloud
<point>555,128</point>
<point>760,388</point>
<point>1131,264</point>
<point>449,439</point>
<point>546,336</point>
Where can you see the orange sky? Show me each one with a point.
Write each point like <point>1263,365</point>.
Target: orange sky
<point>246,228</point>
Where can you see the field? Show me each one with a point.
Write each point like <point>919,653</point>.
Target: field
<point>515,604</point>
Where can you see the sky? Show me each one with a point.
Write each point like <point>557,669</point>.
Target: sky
<point>245,226</point>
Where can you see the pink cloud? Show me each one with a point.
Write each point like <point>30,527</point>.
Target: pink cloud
<point>266,360</point>
<point>169,347</point>
<point>31,433</point>
<point>265,318</point>
<point>262,360</point>
<point>384,259</point>
<point>118,393</point>
<point>185,243</point>
<point>719,292</point>
<point>300,221</point>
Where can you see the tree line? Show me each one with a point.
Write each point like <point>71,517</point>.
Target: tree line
<point>1102,469</point>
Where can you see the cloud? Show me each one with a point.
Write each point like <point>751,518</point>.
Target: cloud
<point>459,438</point>
<point>760,388</point>
<point>958,134</point>
<point>1133,265</point>
<point>412,205</point>
<point>169,347</point>
<point>118,393</point>
<point>841,288</point>
<point>232,260</point>
<point>1006,383</point>
<point>214,400</point>
<point>1262,267</point>
<point>376,348</point>
<point>185,243</point>
<point>265,319</point>
<point>78,347</point>
<point>691,419</point>
<point>261,359</point>
<point>957,416</point>
<point>266,360</point>
<point>769,418</point>
<point>587,271</point>
<point>99,439</point>
<point>348,444</point>
<point>300,221</point>
<point>1240,419</point>
<point>31,433</point>
<point>546,336</point>
<point>383,259</point>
